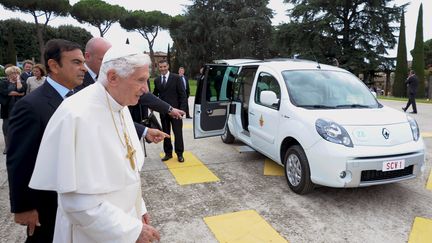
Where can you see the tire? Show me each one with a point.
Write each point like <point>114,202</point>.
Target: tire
<point>227,137</point>
<point>297,170</point>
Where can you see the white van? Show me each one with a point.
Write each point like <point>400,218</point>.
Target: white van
<point>320,122</point>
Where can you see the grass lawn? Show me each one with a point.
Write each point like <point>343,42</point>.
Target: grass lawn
<point>404,99</point>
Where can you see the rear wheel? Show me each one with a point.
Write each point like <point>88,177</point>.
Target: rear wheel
<point>297,170</point>
<point>227,137</point>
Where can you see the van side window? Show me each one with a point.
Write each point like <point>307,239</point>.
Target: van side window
<point>219,83</point>
<point>266,82</point>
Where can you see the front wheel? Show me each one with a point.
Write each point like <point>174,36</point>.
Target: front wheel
<point>297,170</point>
<point>227,137</point>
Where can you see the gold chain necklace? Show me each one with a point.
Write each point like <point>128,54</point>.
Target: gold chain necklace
<point>130,150</point>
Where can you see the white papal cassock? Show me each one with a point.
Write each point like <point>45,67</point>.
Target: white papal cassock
<point>82,158</point>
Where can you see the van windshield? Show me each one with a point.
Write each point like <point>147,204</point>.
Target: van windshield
<point>321,89</point>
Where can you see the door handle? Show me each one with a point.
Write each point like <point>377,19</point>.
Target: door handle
<point>209,111</point>
<point>251,113</point>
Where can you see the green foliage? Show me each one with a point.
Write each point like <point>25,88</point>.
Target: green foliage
<point>147,24</point>
<point>220,29</point>
<point>356,33</point>
<point>38,8</point>
<point>401,73</point>
<point>56,7</point>
<point>418,55</point>
<point>25,44</point>
<point>75,34</point>
<point>97,13</point>
<point>428,52</point>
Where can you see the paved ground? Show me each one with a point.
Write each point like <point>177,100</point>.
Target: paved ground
<point>374,214</point>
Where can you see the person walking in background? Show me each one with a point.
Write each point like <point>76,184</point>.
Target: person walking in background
<point>412,84</point>
<point>185,83</point>
<point>169,88</point>
<point>91,156</point>
<point>27,70</point>
<point>37,79</point>
<point>36,209</point>
<point>12,90</point>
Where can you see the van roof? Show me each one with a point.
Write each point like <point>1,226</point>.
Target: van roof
<point>280,63</point>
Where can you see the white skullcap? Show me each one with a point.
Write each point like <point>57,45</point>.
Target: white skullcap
<point>120,51</point>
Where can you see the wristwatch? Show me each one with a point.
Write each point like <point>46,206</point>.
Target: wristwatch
<point>170,109</point>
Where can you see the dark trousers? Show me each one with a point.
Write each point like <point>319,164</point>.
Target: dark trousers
<point>47,216</point>
<point>187,109</point>
<point>177,125</point>
<point>411,101</point>
<point>5,127</point>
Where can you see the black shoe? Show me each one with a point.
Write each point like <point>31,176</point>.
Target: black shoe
<point>167,157</point>
<point>413,112</point>
<point>188,117</point>
<point>180,158</point>
<point>404,109</point>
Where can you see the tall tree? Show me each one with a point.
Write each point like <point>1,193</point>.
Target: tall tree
<point>97,13</point>
<point>216,29</point>
<point>148,24</point>
<point>428,52</point>
<point>356,33</point>
<point>417,53</point>
<point>41,10</point>
<point>401,73</point>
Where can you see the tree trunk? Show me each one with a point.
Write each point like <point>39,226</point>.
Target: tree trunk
<point>40,39</point>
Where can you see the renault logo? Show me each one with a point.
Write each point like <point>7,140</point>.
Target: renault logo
<point>385,133</point>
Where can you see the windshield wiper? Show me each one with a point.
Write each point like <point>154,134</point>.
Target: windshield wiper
<point>317,106</point>
<point>353,106</point>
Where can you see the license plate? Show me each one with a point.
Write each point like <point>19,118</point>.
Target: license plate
<point>393,165</point>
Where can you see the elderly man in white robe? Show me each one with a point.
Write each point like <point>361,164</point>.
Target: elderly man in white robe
<point>91,155</point>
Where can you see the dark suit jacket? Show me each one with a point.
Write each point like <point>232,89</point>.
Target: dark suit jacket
<point>173,92</point>
<point>149,100</point>
<point>187,88</point>
<point>8,102</point>
<point>412,83</point>
<point>27,124</point>
<point>24,76</point>
<point>86,82</point>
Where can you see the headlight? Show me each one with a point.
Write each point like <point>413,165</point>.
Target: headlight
<point>414,128</point>
<point>333,132</point>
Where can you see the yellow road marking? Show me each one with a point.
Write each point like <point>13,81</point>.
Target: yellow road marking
<point>187,125</point>
<point>191,171</point>
<point>242,227</point>
<point>429,182</point>
<point>426,134</point>
<point>421,231</point>
<point>272,168</point>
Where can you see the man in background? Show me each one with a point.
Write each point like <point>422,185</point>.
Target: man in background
<point>27,70</point>
<point>412,84</point>
<point>169,88</point>
<point>185,83</point>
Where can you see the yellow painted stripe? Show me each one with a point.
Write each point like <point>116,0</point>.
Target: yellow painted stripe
<point>242,227</point>
<point>429,183</point>
<point>187,126</point>
<point>272,168</point>
<point>421,231</point>
<point>426,134</point>
<point>191,171</point>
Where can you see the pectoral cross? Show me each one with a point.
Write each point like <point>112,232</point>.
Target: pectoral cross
<point>130,152</point>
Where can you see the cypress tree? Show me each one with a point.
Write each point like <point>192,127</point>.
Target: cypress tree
<point>418,55</point>
<point>401,73</point>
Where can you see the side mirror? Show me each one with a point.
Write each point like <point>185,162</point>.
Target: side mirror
<point>269,98</point>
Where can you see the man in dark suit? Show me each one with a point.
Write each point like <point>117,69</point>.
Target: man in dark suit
<point>169,88</point>
<point>412,84</point>
<point>185,82</point>
<point>27,70</point>
<point>94,52</point>
<point>33,208</point>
